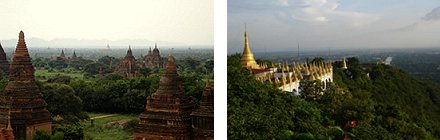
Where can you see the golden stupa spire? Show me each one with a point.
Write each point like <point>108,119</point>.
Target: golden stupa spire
<point>294,76</point>
<point>312,77</point>
<point>283,80</point>
<point>308,70</point>
<point>300,76</point>
<point>290,80</point>
<point>316,75</point>
<point>269,78</point>
<point>321,74</point>
<point>247,60</point>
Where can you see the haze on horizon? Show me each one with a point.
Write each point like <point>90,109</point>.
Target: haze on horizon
<point>279,25</point>
<point>175,22</point>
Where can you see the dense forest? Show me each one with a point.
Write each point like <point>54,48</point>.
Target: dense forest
<point>365,101</point>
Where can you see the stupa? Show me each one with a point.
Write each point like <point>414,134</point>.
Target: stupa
<point>247,60</point>
<point>23,98</point>
<point>4,64</point>
<point>203,117</point>
<point>167,113</point>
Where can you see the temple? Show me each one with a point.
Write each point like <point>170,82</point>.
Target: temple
<point>287,76</point>
<point>74,57</point>
<point>247,60</point>
<point>167,113</point>
<point>4,64</point>
<point>152,59</point>
<point>62,56</point>
<point>203,118</point>
<point>127,66</point>
<point>23,98</point>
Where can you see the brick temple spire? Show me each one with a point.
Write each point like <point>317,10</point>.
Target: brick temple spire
<point>127,66</point>
<point>152,59</point>
<point>167,113</point>
<point>23,98</point>
<point>62,56</point>
<point>4,64</point>
<point>129,52</point>
<point>21,65</point>
<point>74,55</point>
<point>203,117</point>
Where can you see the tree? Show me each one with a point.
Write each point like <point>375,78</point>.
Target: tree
<point>41,135</point>
<point>93,68</point>
<point>209,65</point>
<point>63,79</point>
<point>62,101</point>
<point>311,90</point>
<point>259,110</point>
<point>134,101</point>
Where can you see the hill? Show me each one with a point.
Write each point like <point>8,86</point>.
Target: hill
<point>366,101</point>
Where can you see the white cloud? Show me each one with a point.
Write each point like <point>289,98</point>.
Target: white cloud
<point>322,11</point>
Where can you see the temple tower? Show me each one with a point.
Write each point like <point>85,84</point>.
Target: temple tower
<point>152,59</point>
<point>127,66</point>
<point>74,55</point>
<point>203,118</point>
<point>4,64</point>
<point>62,56</point>
<point>247,60</point>
<point>167,113</point>
<point>22,97</point>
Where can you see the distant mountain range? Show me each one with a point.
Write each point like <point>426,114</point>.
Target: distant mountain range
<point>77,43</point>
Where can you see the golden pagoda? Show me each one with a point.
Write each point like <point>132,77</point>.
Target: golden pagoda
<point>247,60</point>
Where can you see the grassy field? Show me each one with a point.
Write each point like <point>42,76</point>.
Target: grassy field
<point>46,74</point>
<point>108,128</point>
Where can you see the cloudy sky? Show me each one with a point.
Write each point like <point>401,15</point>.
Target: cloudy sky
<point>187,22</point>
<point>278,25</point>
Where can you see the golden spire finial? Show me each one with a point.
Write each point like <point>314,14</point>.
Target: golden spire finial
<point>283,80</point>
<point>247,60</point>
<point>290,81</point>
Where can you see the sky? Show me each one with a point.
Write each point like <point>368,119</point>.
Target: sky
<point>188,22</point>
<point>280,25</point>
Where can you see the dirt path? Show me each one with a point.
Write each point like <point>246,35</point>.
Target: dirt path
<point>103,116</point>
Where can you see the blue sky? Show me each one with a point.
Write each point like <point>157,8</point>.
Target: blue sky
<point>278,25</point>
